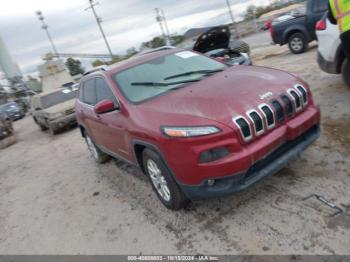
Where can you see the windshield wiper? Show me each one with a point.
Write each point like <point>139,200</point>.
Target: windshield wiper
<point>205,72</point>
<point>163,83</point>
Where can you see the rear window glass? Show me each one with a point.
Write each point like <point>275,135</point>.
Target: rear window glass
<point>320,6</point>
<point>57,98</point>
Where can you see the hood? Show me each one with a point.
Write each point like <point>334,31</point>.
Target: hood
<point>62,107</point>
<point>224,95</point>
<point>214,38</point>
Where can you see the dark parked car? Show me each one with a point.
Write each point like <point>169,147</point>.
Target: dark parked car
<point>13,110</point>
<point>299,31</point>
<point>197,127</point>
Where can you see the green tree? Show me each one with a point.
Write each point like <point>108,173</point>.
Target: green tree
<point>250,13</point>
<point>130,52</point>
<point>154,43</point>
<point>98,62</point>
<point>177,39</point>
<point>74,66</point>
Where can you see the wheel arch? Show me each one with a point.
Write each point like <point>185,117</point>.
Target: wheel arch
<point>293,30</point>
<point>139,146</point>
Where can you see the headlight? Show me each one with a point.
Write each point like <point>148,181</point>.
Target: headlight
<point>190,131</point>
<point>55,115</point>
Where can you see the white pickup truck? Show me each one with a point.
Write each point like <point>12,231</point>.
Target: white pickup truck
<point>331,56</point>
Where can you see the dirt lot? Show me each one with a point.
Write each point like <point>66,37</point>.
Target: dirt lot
<point>55,200</point>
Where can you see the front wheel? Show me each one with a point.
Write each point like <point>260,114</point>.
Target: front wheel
<point>346,72</point>
<point>298,43</point>
<point>166,188</point>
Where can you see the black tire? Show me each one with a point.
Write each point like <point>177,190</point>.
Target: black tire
<point>346,72</point>
<point>177,199</point>
<point>298,43</point>
<point>99,156</point>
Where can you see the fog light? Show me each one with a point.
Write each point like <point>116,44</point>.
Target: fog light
<point>211,182</point>
<point>213,155</point>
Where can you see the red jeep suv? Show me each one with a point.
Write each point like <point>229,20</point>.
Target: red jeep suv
<point>196,127</point>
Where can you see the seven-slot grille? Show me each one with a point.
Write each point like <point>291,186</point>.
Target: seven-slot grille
<point>257,121</point>
<point>267,116</point>
<point>296,98</point>
<point>303,92</point>
<point>288,105</point>
<point>279,110</point>
<point>244,127</point>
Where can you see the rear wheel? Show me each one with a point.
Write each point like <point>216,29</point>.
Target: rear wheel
<point>95,152</point>
<point>346,72</point>
<point>298,43</point>
<point>166,188</point>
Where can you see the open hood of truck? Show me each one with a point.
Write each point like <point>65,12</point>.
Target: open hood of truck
<point>214,38</point>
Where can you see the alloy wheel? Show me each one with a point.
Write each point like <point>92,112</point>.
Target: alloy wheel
<point>158,180</point>
<point>297,44</point>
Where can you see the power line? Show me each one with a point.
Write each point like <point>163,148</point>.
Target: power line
<point>166,24</point>
<point>46,28</point>
<point>99,21</point>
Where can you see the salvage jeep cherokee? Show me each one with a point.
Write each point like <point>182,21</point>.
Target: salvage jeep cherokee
<point>195,126</point>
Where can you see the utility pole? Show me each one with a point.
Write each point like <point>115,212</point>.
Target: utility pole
<point>160,19</point>
<point>99,21</point>
<point>166,26</point>
<point>232,18</point>
<point>46,28</point>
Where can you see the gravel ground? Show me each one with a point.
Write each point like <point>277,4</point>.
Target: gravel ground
<point>55,200</point>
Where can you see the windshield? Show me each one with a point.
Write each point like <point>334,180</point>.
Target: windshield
<point>163,74</point>
<point>57,98</point>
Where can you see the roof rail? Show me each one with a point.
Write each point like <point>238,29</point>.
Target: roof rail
<point>97,69</point>
<point>148,51</point>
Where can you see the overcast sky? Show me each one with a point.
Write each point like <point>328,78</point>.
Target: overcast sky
<point>127,23</point>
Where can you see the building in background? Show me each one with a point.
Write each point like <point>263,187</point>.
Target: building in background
<point>53,74</point>
<point>7,64</point>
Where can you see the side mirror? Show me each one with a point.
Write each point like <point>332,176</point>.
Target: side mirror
<point>105,106</point>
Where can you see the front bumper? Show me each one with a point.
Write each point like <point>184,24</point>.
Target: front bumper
<point>62,122</point>
<point>268,166</point>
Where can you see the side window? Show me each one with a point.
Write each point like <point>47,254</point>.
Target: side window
<point>89,92</point>
<point>104,91</point>
<point>80,92</point>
